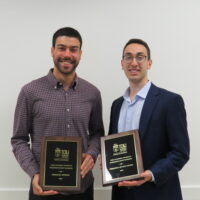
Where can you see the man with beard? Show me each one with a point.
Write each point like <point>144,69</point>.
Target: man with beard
<point>59,104</point>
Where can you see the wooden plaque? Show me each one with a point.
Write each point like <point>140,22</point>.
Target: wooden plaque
<point>60,163</point>
<point>121,157</point>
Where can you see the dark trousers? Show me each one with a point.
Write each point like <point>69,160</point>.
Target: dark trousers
<point>87,195</point>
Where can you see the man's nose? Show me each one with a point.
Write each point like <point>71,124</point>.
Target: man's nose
<point>134,61</point>
<point>67,53</point>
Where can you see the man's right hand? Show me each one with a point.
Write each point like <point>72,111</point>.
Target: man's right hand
<point>37,190</point>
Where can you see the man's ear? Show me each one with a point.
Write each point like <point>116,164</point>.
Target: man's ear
<point>150,63</point>
<point>81,53</point>
<point>122,64</point>
<point>52,51</point>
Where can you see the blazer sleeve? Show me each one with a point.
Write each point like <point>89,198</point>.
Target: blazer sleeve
<point>178,141</point>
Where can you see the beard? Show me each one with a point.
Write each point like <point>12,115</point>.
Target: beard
<point>65,70</point>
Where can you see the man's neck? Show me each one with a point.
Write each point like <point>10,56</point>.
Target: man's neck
<point>65,79</point>
<point>136,87</point>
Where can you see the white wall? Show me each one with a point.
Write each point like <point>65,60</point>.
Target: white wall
<point>170,27</point>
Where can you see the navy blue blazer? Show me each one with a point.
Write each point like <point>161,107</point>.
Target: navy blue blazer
<point>164,144</point>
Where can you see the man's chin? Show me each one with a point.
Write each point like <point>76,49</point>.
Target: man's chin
<point>66,70</point>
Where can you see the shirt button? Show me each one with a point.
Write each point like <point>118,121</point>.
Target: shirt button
<point>68,126</point>
<point>67,109</point>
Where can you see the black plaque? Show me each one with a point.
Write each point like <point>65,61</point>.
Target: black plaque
<point>121,157</point>
<point>60,163</point>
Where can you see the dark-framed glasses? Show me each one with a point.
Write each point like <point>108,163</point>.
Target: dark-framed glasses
<point>129,58</point>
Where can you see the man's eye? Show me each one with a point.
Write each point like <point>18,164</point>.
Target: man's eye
<point>73,50</point>
<point>140,57</point>
<point>61,49</point>
<point>128,57</point>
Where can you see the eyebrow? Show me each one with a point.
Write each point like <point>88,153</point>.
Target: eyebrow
<point>139,53</point>
<point>62,45</point>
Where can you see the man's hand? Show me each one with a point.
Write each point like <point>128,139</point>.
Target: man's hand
<point>38,190</point>
<point>87,165</point>
<point>147,175</point>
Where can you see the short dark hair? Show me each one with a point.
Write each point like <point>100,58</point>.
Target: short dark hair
<point>138,41</point>
<point>66,31</point>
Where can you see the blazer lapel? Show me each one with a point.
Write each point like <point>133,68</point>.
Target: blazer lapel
<point>148,108</point>
<point>116,114</point>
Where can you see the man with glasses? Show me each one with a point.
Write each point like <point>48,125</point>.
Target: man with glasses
<point>160,117</point>
<point>59,104</point>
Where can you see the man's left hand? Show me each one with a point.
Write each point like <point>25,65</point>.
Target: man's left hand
<point>147,175</point>
<point>87,165</point>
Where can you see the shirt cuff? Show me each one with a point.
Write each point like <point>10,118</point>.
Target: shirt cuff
<point>153,178</point>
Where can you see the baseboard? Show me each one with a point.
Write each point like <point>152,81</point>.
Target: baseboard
<point>14,193</point>
<point>102,193</point>
<point>190,192</point>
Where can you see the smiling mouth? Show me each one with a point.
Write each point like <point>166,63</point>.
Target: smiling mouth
<point>66,62</point>
<point>133,71</point>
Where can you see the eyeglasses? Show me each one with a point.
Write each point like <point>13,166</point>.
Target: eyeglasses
<point>129,58</point>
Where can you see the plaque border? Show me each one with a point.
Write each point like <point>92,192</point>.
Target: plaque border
<point>138,155</point>
<point>67,188</point>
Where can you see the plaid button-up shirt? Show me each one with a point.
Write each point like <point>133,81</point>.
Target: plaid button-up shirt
<point>44,108</point>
